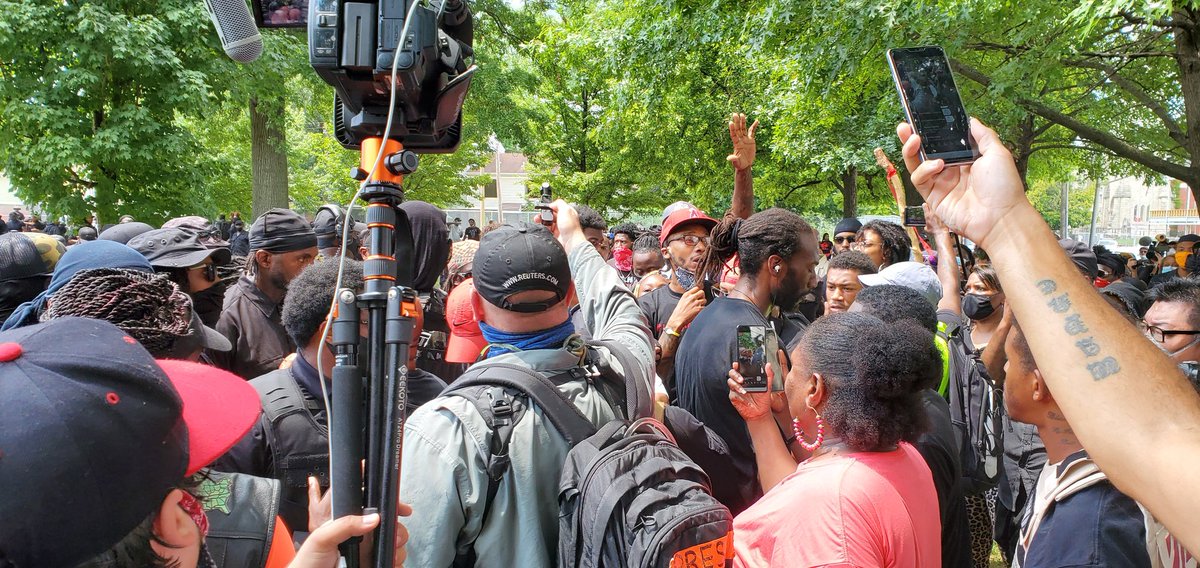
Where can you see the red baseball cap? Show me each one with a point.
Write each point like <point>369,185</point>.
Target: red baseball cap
<point>681,217</point>
<point>466,340</point>
<point>94,433</point>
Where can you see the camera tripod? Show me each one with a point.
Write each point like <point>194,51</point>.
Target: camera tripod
<point>378,390</point>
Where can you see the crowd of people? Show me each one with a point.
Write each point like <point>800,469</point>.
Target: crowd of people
<point>932,398</point>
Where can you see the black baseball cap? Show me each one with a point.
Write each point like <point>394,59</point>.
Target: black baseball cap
<point>520,258</point>
<point>327,224</point>
<point>176,248</point>
<point>95,433</point>
<point>199,336</point>
<point>19,258</point>
<point>123,232</point>
<point>1082,255</point>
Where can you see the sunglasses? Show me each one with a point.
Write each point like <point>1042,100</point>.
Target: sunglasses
<point>210,271</point>
<point>841,240</point>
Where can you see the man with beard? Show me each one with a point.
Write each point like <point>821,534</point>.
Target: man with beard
<point>778,253</point>
<point>282,243</point>
<point>671,308</point>
<point>844,235</point>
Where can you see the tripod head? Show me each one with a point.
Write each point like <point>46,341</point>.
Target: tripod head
<point>359,47</point>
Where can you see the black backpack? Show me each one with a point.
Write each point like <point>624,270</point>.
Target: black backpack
<point>502,393</point>
<point>630,497</point>
<point>976,408</point>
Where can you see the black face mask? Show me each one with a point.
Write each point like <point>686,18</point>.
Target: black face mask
<point>208,304</point>
<point>977,306</point>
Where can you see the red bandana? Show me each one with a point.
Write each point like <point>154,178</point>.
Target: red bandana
<point>195,510</point>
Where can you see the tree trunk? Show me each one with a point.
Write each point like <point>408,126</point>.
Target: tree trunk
<point>1023,146</point>
<point>849,189</point>
<point>268,156</point>
<point>1187,55</point>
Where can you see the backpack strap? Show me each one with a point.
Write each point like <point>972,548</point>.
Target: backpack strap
<point>637,402</point>
<point>565,417</point>
<point>280,395</point>
<point>496,390</point>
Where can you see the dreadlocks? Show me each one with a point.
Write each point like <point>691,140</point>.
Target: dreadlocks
<point>149,307</point>
<point>772,232</point>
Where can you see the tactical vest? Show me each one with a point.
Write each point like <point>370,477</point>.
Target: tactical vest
<point>241,513</point>
<point>299,444</point>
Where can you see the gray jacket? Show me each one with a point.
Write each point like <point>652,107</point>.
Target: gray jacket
<point>446,443</point>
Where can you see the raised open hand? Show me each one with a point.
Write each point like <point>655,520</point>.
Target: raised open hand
<point>744,145</point>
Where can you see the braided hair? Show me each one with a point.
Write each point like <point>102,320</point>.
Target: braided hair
<point>647,243</point>
<point>149,307</point>
<point>774,231</point>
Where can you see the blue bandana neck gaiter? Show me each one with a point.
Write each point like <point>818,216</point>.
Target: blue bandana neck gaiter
<point>501,342</point>
<point>685,278</point>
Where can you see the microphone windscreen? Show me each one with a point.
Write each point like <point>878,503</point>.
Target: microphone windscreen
<point>235,26</point>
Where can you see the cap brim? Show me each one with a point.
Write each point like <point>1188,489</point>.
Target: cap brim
<point>872,280</point>
<point>218,408</point>
<point>220,257</point>
<point>214,340</point>
<point>464,348</point>
<point>706,221</point>
<point>221,254</point>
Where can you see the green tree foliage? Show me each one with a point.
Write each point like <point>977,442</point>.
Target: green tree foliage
<point>92,99</point>
<point>622,104</point>
<point>1047,199</point>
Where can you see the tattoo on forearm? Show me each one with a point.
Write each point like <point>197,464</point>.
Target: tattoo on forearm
<point>1073,325</point>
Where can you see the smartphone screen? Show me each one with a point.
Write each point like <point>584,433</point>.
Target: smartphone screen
<point>932,104</point>
<point>772,349</point>
<point>752,356</point>
<point>914,216</point>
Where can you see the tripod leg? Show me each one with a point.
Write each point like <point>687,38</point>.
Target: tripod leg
<point>345,420</point>
<point>398,339</point>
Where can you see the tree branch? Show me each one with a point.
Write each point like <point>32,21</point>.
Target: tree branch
<point>793,189</point>
<point>75,178</point>
<point>1138,93</point>
<point>1099,137</point>
<point>1135,19</point>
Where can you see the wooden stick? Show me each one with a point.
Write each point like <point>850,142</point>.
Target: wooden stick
<point>897,188</point>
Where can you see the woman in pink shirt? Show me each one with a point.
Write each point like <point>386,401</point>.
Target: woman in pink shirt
<point>862,496</point>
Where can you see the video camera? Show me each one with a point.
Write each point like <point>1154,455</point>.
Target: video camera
<point>353,46</point>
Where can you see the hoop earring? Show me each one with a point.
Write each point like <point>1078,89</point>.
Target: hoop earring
<point>800,434</point>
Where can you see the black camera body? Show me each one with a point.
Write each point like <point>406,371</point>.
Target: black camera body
<point>353,46</point>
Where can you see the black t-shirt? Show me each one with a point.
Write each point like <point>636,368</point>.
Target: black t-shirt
<point>472,233</point>
<point>702,364</point>
<point>658,305</point>
<point>940,448</point>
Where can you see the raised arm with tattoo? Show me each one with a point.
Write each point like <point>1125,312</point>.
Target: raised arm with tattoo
<point>1134,412</point>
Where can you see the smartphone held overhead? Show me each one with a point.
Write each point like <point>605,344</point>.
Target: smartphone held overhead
<point>932,104</point>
